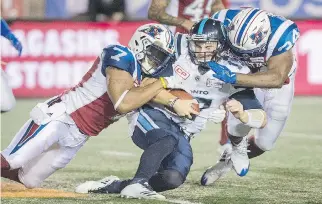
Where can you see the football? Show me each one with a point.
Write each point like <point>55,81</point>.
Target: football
<point>181,94</point>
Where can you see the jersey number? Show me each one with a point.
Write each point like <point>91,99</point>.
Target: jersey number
<point>288,45</point>
<point>196,10</point>
<point>119,55</point>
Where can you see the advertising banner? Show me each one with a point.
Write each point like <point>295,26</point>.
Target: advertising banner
<point>57,54</point>
<point>296,9</point>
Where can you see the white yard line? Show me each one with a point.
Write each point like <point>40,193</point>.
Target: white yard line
<point>180,201</point>
<point>120,154</point>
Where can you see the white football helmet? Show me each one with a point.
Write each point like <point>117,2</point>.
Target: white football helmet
<point>249,31</point>
<point>153,46</point>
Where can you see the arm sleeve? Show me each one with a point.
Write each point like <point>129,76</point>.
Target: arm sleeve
<point>287,40</point>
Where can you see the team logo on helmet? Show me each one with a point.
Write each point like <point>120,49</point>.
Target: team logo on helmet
<point>258,36</point>
<point>152,31</point>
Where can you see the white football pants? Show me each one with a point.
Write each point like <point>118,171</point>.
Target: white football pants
<point>277,104</point>
<point>40,150</point>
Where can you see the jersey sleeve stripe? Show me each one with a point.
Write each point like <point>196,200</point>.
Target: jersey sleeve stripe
<point>137,72</point>
<point>276,37</point>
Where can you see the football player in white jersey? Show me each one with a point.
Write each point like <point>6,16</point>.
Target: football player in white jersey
<point>265,43</point>
<point>164,137</point>
<point>58,128</point>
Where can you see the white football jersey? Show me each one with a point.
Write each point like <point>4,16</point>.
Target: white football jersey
<point>199,82</point>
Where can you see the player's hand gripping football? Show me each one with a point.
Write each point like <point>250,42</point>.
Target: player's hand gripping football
<point>184,108</point>
<point>236,108</point>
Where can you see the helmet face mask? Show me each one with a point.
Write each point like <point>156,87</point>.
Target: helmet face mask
<point>203,51</point>
<point>153,46</point>
<point>206,41</point>
<point>155,58</point>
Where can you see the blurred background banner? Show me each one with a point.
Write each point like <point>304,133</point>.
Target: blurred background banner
<point>57,54</point>
<point>69,34</point>
<point>63,9</point>
<point>309,48</point>
<point>296,9</point>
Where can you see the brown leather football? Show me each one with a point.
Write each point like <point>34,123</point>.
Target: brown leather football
<point>181,94</point>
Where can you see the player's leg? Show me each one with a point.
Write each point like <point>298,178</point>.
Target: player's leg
<point>237,132</point>
<point>30,142</point>
<point>7,98</point>
<point>40,168</point>
<point>150,136</point>
<point>277,105</point>
<point>224,142</point>
<point>175,167</point>
<point>4,163</point>
<point>253,149</point>
<point>161,140</point>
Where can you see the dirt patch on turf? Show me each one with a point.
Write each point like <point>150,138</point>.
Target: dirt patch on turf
<point>11,190</point>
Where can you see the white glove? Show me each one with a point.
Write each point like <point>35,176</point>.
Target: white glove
<point>218,115</point>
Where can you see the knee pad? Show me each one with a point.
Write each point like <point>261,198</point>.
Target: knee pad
<point>173,179</point>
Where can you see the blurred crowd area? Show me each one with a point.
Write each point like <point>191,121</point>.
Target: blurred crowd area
<point>117,10</point>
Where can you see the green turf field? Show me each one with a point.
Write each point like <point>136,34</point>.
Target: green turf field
<point>291,173</point>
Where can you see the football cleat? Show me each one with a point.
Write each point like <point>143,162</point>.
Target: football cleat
<point>239,158</point>
<point>101,186</point>
<point>223,166</point>
<point>140,190</point>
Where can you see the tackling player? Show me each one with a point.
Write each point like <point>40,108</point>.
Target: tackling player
<point>165,137</point>
<point>181,15</point>
<point>264,42</point>
<point>59,127</point>
<point>8,100</point>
